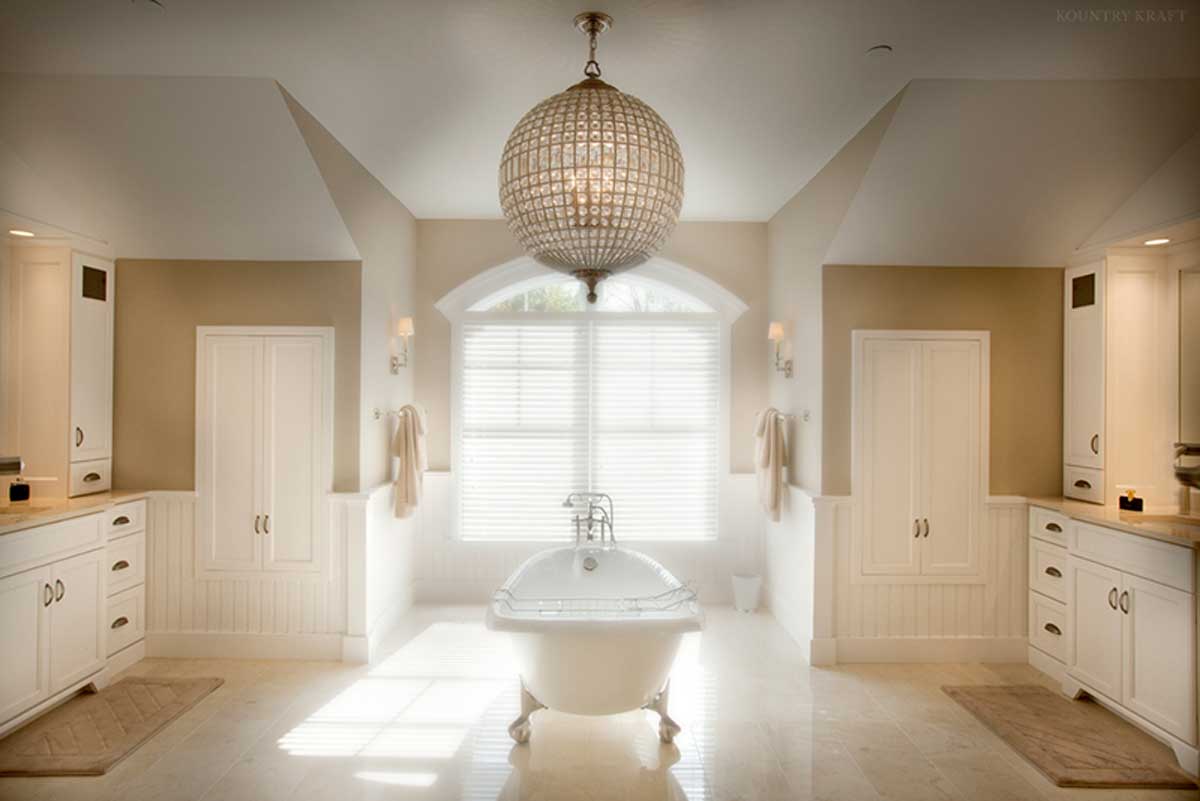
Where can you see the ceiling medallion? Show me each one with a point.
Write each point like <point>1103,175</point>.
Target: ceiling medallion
<point>591,180</point>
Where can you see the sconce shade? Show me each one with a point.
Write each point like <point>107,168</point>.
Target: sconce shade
<point>775,332</point>
<point>404,327</point>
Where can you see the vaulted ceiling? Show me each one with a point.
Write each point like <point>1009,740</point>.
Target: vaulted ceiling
<point>761,93</point>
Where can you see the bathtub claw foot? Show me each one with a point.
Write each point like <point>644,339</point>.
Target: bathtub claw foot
<point>520,728</point>
<point>667,728</point>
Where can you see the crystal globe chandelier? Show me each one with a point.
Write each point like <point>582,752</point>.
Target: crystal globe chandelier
<point>591,180</point>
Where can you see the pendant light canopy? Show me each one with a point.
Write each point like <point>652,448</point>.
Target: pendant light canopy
<point>591,180</point>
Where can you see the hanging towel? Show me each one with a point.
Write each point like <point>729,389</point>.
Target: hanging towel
<point>770,458</point>
<point>409,447</point>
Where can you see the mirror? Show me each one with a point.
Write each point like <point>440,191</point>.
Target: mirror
<point>1189,355</point>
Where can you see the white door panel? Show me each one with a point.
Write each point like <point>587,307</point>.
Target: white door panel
<point>1159,637</point>
<point>1094,649</point>
<point>891,435</point>
<point>24,641</point>
<point>1083,385</point>
<point>950,458</point>
<point>92,287</point>
<point>77,641</point>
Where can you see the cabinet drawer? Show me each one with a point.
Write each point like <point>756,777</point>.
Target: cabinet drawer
<point>89,477</point>
<point>125,622</point>
<point>1048,569</point>
<point>1083,483</point>
<point>126,562</point>
<point>1048,525</point>
<point>37,546</point>
<point>1048,626</point>
<point>1158,561</point>
<point>126,518</point>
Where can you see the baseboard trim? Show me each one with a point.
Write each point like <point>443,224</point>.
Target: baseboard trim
<point>932,649</point>
<point>237,645</point>
<point>823,652</point>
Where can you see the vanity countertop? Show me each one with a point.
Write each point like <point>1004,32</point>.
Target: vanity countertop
<point>1131,522</point>
<point>38,512</point>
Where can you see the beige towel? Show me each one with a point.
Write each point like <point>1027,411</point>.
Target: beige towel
<point>770,458</point>
<point>409,447</point>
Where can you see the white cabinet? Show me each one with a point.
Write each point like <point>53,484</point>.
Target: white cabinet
<point>1159,640</point>
<point>920,445</point>
<point>1083,367</point>
<point>24,641</point>
<point>77,619</point>
<point>92,288</point>
<point>263,449</point>
<point>1094,652</point>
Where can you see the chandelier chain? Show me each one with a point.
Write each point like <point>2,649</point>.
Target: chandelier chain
<point>592,68</point>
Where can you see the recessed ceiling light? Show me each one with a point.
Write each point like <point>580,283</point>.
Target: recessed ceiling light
<point>1160,241</point>
<point>880,48</point>
<point>19,232</point>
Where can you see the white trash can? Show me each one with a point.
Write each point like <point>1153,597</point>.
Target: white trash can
<point>747,587</point>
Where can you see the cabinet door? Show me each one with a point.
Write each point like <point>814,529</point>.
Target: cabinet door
<point>229,452</point>
<point>1083,370</point>
<point>294,452</point>
<point>77,635</point>
<point>1159,638</point>
<point>92,288</point>
<point>1094,649</point>
<point>24,641</point>
<point>890,426</point>
<point>951,471</point>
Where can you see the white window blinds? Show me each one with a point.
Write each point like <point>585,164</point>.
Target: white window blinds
<point>624,406</point>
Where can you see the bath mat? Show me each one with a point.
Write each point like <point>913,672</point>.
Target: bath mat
<point>1074,743</point>
<point>89,734</point>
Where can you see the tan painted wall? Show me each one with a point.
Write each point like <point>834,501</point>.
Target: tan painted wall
<point>450,252</point>
<point>159,305</point>
<point>1022,307</point>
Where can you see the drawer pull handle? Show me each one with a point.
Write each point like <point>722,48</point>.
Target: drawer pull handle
<point>1053,629</point>
<point>122,520</point>
<point>266,524</point>
<point>1095,443</point>
<point>60,590</point>
<point>48,595</point>
<point>1053,571</point>
<point>1124,602</point>
<point>1055,527</point>
<point>1082,484</point>
<point>256,520</point>
<point>78,436</point>
<point>1112,597</point>
<point>925,520</point>
<point>121,565</point>
<point>90,477</point>
<point>119,622</point>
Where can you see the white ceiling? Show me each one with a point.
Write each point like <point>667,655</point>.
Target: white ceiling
<point>761,94</point>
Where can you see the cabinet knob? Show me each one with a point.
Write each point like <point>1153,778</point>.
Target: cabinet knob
<point>1053,629</point>
<point>121,565</point>
<point>1055,527</point>
<point>119,622</point>
<point>1053,571</point>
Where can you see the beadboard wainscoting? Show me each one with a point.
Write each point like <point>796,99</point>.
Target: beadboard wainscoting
<point>811,592</point>
<point>449,570</point>
<point>338,614</point>
<point>914,622</point>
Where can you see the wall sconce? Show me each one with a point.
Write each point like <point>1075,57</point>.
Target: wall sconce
<point>775,334</point>
<point>404,330</point>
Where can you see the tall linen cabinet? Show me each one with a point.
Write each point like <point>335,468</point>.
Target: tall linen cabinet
<point>920,423</point>
<point>264,450</point>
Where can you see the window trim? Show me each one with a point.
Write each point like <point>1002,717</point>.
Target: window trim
<point>455,307</point>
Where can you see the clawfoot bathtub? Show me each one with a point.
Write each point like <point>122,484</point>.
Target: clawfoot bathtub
<point>594,631</point>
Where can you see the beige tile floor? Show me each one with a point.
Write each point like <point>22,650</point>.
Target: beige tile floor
<point>428,722</point>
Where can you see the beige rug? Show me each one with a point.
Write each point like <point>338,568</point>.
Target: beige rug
<point>89,734</point>
<point>1075,743</point>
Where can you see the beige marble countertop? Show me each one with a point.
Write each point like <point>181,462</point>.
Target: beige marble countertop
<point>1131,522</point>
<point>38,512</point>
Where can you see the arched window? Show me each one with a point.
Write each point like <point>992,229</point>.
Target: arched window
<point>553,395</point>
